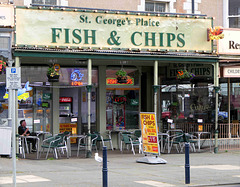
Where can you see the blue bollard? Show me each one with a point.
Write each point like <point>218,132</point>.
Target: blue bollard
<point>104,169</point>
<point>187,165</point>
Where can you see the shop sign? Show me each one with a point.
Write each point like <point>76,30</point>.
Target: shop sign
<point>233,71</point>
<point>76,78</point>
<point>199,70</point>
<point>101,30</point>
<point>65,99</point>
<point>149,132</point>
<point>47,96</point>
<point>45,105</point>
<point>6,15</point>
<point>114,81</point>
<point>134,102</point>
<point>230,44</point>
<point>119,99</point>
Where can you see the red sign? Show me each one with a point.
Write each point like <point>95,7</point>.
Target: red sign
<point>114,81</point>
<point>65,99</point>
<point>120,99</point>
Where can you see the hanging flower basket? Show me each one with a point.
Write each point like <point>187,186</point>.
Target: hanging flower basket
<point>3,66</point>
<point>184,75</point>
<point>121,76</point>
<point>53,73</point>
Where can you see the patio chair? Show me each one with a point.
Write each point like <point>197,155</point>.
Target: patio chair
<point>106,137</point>
<point>177,140</point>
<point>127,140</point>
<point>81,144</point>
<point>189,139</point>
<point>51,143</point>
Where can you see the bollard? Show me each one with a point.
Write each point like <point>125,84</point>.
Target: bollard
<point>187,165</point>
<point>104,169</point>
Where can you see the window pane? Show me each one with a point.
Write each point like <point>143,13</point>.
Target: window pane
<point>234,22</point>
<point>4,43</point>
<point>37,1</point>
<point>234,7</point>
<point>51,2</point>
<point>159,7</point>
<point>46,2</point>
<point>149,7</point>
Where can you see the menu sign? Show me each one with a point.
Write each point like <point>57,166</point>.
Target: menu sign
<point>149,132</point>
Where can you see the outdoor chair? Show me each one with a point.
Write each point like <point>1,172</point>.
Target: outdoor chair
<point>51,143</point>
<point>177,140</point>
<point>81,144</point>
<point>127,140</point>
<point>106,137</point>
<point>121,138</point>
<point>188,138</point>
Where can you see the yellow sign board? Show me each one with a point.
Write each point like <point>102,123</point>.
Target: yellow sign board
<point>71,127</point>
<point>105,30</point>
<point>149,132</point>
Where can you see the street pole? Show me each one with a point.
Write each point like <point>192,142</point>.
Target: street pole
<point>216,88</point>
<point>89,88</point>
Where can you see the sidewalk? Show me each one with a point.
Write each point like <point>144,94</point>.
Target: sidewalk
<point>123,170</point>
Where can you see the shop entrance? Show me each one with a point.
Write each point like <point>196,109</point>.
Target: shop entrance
<point>122,109</point>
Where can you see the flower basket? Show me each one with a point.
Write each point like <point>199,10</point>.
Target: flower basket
<point>53,73</point>
<point>54,78</point>
<point>3,66</point>
<point>184,75</point>
<point>121,76</point>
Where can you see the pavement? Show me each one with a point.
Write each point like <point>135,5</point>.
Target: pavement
<point>206,169</point>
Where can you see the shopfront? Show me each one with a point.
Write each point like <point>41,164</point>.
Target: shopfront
<point>90,48</point>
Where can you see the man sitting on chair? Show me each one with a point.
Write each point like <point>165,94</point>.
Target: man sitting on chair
<point>24,131</point>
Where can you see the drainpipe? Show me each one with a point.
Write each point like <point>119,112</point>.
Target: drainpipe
<point>193,8</point>
<point>216,88</point>
<point>89,89</point>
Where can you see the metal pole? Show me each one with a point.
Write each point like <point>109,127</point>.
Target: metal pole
<point>105,169</point>
<point>193,8</point>
<point>155,84</point>
<point>187,164</point>
<point>229,109</point>
<point>89,88</point>
<point>13,137</point>
<point>216,84</point>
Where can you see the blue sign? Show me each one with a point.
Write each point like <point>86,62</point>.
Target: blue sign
<point>76,75</point>
<point>13,70</point>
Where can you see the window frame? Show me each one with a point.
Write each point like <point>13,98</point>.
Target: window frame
<point>166,7</point>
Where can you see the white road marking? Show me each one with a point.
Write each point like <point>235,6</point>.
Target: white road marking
<point>236,175</point>
<point>154,183</point>
<point>22,179</point>
<point>217,167</point>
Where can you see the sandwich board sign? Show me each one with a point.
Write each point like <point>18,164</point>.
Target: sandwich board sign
<point>150,142</point>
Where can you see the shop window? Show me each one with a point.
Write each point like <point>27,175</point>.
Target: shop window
<point>155,6</point>
<point>234,14</point>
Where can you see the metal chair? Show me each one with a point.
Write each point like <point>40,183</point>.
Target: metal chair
<point>81,144</point>
<point>127,140</point>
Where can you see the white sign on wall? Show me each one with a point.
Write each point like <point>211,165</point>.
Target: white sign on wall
<point>233,71</point>
<point>13,78</point>
<point>230,44</point>
<point>6,15</point>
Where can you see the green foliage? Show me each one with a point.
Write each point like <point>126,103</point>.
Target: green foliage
<point>52,71</point>
<point>121,73</point>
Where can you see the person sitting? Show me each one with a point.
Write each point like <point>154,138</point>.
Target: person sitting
<point>24,131</point>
